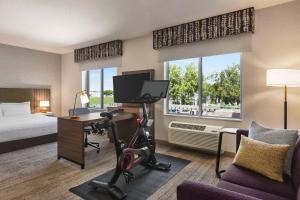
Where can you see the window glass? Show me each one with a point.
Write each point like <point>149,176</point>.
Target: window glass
<point>221,90</point>
<point>108,86</point>
<point>94,88</point>
<point>184,84</point>
<point>99,85</point>
<point>216,94</point>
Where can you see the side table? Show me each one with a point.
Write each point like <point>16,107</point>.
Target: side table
<point>231,131</point>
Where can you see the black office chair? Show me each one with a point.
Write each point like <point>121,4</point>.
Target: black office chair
<point>88,129</point>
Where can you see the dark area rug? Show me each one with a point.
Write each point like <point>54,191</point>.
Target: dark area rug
<point>145,183</point>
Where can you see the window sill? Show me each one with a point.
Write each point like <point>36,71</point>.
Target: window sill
<point>205,117</point>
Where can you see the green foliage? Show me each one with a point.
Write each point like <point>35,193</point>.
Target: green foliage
<point>108,100</point>
<point>183,84</point>
<point>189,84</point>
<point>175,82</point>
<point>95,101</point>
<point>107,92</point>
<point>224,86</point>
<point>205,88</point>
<point>219,87</point>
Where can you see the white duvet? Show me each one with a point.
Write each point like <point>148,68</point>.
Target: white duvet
<point>26,126</point>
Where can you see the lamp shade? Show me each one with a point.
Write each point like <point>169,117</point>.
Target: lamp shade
<point>84,98</point>
<point>283,77</point>
<point>44,103</point>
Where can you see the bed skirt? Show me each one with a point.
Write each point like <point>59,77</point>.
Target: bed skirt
<point>25,143</point>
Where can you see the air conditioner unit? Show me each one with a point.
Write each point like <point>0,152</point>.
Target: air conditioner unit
<point>199,136</point>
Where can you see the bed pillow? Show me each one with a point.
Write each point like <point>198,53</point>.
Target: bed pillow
<point>14,109</point>
<point>263,158</point>
<point>276,136</point>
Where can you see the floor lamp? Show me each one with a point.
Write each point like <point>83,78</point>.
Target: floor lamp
<point>283,78</point>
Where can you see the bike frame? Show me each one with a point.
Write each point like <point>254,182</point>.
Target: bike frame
<point>121,148</point>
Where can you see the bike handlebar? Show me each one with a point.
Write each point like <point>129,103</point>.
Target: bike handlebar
<point>145,98</point>
<point>148,98</point>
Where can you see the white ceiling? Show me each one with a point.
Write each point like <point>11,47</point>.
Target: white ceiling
<point>61,25</point>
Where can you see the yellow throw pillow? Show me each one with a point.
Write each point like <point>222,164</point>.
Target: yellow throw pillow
<point>263,158</point>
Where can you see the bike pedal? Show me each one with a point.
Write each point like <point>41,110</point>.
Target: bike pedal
<point>129,177</point>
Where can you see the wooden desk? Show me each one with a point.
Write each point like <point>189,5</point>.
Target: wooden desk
<point>70,143</point>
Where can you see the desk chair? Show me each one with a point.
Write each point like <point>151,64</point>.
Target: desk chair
<point>87,130</point>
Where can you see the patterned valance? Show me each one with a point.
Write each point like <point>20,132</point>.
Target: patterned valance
<point>99,51</point>
<point>233,23</point>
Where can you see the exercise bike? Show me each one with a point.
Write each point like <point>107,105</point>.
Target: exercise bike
<point>140,150</point>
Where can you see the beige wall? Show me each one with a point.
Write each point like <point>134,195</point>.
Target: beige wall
<point>70,83</point>
<point>20,67</point>
<point>274,45</point>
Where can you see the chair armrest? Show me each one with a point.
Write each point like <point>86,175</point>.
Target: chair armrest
<point>196,191</point>
<point>239,134</point>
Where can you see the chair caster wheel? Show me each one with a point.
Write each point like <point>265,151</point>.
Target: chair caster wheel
<point>98,151</point>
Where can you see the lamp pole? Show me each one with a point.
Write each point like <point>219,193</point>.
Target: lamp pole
<point>285,107</point>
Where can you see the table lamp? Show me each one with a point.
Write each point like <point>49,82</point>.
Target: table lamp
<point>283,78</point>
<point>83,98</point>
<point>44,105</point>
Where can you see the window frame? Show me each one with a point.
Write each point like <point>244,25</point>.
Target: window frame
<point>200,113</point>
<point>87,86</point>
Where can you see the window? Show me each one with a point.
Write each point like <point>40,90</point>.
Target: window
<point>108,95</point>
<point>207,86</point>
<point>94,88</point>
<point>99,84</point>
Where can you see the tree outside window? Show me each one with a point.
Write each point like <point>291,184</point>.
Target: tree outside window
<point>216,94</point>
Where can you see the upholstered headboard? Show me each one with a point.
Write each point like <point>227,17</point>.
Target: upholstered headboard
<point>34,95</point>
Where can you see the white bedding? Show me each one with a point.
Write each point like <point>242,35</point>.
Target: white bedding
<point>26,126</point>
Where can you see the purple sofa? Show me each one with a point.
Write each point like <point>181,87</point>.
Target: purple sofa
<point>238,183</point>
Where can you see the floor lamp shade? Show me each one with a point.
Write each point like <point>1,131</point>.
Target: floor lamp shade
<point>283,78</point>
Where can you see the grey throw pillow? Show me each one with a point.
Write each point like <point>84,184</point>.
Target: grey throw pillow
<point>276,136</point>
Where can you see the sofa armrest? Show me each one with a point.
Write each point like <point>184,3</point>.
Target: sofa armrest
<point>196,191</point>
<point>239,134</point>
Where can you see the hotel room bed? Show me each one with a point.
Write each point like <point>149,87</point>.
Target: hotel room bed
<point>19,128</point>
<point>26,126</point>
<point>18,132</point>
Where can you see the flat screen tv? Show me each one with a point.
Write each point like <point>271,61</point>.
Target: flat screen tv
<point>128,87</point>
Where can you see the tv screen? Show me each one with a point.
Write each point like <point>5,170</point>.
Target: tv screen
<point>128,87</point>
<point>156,88</point>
